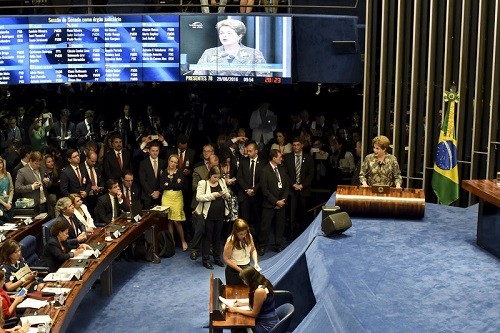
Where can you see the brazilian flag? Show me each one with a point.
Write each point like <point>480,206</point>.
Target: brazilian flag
<point>445,181</point>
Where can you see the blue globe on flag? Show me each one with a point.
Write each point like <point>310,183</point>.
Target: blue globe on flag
<point>446,156</point>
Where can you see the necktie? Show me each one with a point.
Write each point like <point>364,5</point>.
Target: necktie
<point>277,173</point>
<point>119,159</point>
<point>42,193</point>
<point>297,168</point>
<point>155,167</point>
<point>73,224</point>
<point>115,208</point>
<point>181,159</point>
<point>92,177</point>
<point>79,175</point>
<point>63,135</point>
<point>127,196</point>
<point>252,171</point>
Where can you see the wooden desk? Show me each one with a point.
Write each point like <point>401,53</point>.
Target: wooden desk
<point>488,221</point>
<point>100,267</point>
<point>362,201</point>
<point>232,320</point>
<point>35,229</point>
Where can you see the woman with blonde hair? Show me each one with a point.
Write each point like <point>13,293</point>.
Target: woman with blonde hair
<point>238,249</point>
<point>171,182</point>
<point>6,193</point>
<point>82,213</point>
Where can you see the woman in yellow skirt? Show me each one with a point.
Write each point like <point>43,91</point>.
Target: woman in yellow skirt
<point>171,182</point>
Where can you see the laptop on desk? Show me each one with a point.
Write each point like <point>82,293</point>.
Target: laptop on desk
<point>98,245</point>
<point>135,210</point>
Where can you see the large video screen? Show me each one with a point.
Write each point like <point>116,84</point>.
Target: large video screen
<point>157,47</point>
<point>235,48</point>
<point>89,48</point>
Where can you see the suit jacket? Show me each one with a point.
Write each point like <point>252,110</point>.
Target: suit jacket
<point>53,256</point>
<point>98,170</point>
<point>271,191</point>
<point>57,131</point>
<point>150,183</point>
<point>306,172</point>
<point>81,130</point>
<point>80,227</point>
<point>135,194</point>
<point>24,181</point>
<point>110,164</point>
<point>244,177</point>
<point>70,182</point>
<point>104,210</point>
<point>189,157</point>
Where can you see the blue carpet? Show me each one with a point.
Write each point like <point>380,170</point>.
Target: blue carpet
<point>381,275</point>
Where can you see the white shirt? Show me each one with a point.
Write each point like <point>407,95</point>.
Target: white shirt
<point>89,222</point>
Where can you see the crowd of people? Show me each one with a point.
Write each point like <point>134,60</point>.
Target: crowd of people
<point>251,182</point>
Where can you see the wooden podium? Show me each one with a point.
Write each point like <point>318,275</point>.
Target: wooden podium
<point>368,201</point>
<point>219,318</point>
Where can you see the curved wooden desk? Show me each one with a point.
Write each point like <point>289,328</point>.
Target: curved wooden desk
<point>488,221</point>
<point>362,201</point>
<point>100,267</point>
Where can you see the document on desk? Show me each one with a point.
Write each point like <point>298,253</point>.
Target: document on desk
<point>32,303</point>
<point>56,290</point>
<point>85,255</point>
<point>35,320</point>
<point>8,227</point>
<point>65,274</point>
<point>230,302</point>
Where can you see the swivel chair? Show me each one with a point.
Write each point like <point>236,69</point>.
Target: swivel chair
<point>282,297</point>
<point>285,315</point>
<point>46,230</point>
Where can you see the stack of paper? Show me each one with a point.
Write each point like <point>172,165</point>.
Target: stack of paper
<point>35,320</point>
<point>32,303</point>
<point>65,274</point>
<point>8,227</point>
<point>56,290</point>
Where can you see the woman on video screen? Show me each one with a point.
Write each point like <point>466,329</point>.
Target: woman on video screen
<point>232,58</point>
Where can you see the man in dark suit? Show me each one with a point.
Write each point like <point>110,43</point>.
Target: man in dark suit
<point>275,187</point>
<point>110,205</point>
<point>249,195</point>
<point>31,182</point>
<point>63,132</point>
<point>24,152</point>
<point>74,178</point>
<point>149,176</point>
<point>116,160</point>
<point>86,129</point>
<point>300,169</point>
<point>131,190</point>
<point>24,122</point>
<point>93,172</point>
<point>76,228</point>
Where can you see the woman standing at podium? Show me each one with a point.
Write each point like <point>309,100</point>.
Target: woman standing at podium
<point>238,249</point>
<point>260,300</point>
<point>380,167</point>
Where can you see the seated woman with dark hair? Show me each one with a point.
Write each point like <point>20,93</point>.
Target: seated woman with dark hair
<point>260,300</point>
<point>11,262</point>
<point>57,250</point>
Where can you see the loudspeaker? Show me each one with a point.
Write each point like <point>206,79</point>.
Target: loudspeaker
<point>335,224</point>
